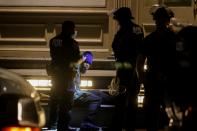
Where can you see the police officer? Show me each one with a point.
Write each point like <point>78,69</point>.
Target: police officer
<point>183,93</point>
<point>65,53</point>
<point>125,49</point>
<point>159,50</point>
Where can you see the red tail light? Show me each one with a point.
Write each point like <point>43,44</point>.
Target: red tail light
<point>20,129</point>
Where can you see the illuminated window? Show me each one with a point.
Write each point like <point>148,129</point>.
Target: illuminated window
<point>47,83</point>
<point>86,83</point>
<point>140,97</point>
<point>140,100</point>
<point>40,83</point>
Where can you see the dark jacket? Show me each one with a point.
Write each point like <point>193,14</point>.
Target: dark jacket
<point>64,51</point>
<point>126,41</point>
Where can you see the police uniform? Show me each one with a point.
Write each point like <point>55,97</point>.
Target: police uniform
<point>125,48</point>
<point>159,49</point>
<point>64,51</point>
<point>183,93</point>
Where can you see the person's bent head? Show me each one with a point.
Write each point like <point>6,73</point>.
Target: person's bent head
<point>88,60</point>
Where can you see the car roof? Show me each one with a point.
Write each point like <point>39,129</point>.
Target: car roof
<point>12,83</point>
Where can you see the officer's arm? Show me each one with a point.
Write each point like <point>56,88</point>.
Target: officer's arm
<point>140,68</point>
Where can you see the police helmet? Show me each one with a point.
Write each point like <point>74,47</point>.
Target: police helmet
<point>161,12</point>
<point>68,27</point>
<point>123,13</point>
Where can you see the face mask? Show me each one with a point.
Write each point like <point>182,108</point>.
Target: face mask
<point>74,35</point>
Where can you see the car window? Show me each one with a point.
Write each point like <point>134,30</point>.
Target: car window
<point>12,83</point>
<point>10,86</point>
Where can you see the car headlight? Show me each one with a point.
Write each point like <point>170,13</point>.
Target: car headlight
<point>15,128</point>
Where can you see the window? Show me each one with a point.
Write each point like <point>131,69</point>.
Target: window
<point>178,2</point>
<point>169,2</point>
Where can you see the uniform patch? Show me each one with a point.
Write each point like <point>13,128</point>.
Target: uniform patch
<point>137,30</point>
<point>57,42</point>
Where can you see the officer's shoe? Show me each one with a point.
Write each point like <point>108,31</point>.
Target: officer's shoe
<point>89,127</point>
<point>71,129</point>
<point>50,128</point>
<point>68,129</point>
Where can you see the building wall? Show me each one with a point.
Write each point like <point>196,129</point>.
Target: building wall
<point>27,26</point>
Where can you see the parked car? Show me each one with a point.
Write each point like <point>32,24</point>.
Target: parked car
<point>20,108</point>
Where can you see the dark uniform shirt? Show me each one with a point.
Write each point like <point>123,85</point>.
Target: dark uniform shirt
<point>64,51</point>
<point>126,42</point>
<point>186,67</point>
<point>125,48</point>
<point>159,48</point>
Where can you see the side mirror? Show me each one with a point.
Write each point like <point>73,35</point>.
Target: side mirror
<point>30,113</point>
